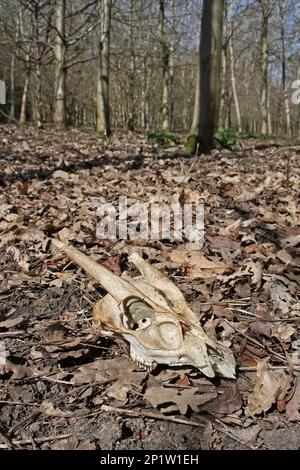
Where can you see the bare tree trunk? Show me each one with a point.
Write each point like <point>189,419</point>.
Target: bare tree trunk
<point>145,92</point>
<point>196,115</point>
<point>25,91</point>
<point>210,69</point>
<point>264,99</point>
<point>283,70</point>
<point>165,68</point>
<point>172,65</point>
<point>60,66</point>
<point>131,122</point>
<point>223,87</point>
<point>102,100</point>
<point>12,112</point>
<point>298,117</point>
<point>39,108</point>
<point>233,84</point>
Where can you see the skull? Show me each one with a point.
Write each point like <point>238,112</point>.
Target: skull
<point>158,334</point>
<point>151,314</point>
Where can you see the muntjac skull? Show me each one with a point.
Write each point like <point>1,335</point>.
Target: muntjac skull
<point>151,314</point>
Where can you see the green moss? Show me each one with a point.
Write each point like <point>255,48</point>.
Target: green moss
<point>190,147</point>
<point>163,138</point>
<point>103,135</point>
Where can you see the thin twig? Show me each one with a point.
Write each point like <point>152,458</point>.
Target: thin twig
<point>142,414</point>
<point>39,440</point>
<point>254,369</point>
<point>256,342</point>
<point>7,402</point>
<point>12,333</point>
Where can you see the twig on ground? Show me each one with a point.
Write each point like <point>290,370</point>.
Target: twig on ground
<point>142,414</point>
<point>40,440</point>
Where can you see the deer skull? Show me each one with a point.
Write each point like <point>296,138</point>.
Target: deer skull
<point>151,314</point>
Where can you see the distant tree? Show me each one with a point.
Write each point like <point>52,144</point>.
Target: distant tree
<point>207,96</point>
<point>60,64</point>
<point>103,111</point>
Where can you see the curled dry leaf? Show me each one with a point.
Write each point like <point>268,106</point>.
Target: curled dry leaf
<point>226,403</point>
<point>159,397</point>
<point>270,386</point>
<point>293,406</point>
<point>11,322</point>
<point>48,408</point>
<point>120,389</point>
<point>102,371</point>
<point>197,266</point>
<point>280,296</point>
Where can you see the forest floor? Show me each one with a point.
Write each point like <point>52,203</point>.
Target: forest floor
<point>57,373</point>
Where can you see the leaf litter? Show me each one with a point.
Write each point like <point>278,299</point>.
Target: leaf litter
<point>243,285</point>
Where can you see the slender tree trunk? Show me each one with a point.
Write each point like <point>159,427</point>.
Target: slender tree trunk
<point>165,69</point>
<point>39,96</point>
<point>283,69</point>
<point>196,115</point>
<point>233,84</point>
<point>146,84</point>
<point>102,100</point>
<point>264,98</point>
<point>60,66</point>
<point>223,81</point>
<point>12,112</point>
<point>298,117</point>
<point>131,122</point>
<point>172,65</point>
<point>223,87</point>
<point>25,90</point>
<point>210,69</point>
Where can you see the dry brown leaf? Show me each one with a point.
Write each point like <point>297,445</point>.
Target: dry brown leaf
<point>120,389</point>
<point>227,402</point>
<point>10,322</point>
<point>293,406</point>
<point>197,266</point>
<point>48,408</point>
<point>183,399</point>
<point>270,386</point>
<point>221,241</point>
<point>280,296</point>
<point>103,370</point>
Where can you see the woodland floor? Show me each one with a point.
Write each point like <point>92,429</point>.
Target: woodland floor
<point>243,284</point>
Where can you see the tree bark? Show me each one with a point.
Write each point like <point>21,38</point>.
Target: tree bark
<point>102,100</point>
<point>210,70</point>
<point>196,115</point>
<point>25,91</point>
<point>223,86</point>
<point>233,84</point>
<point>283,70</point>
<point>165,113</point>
<point>60,66</point>
<point>12,111</point>
<point>264,98</point>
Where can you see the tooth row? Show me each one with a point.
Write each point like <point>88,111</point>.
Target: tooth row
<point>141,362</point>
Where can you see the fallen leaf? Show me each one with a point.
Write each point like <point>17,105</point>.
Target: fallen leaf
<point>196,265</point>
<point>11,322</point>
<point>183,399</point>
<point>293,406</point>
<point>270,386</point>
<point>227,402</point>
<point>48,408</point>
